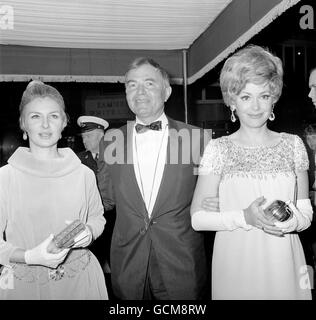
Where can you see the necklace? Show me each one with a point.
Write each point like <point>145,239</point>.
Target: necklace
<point>155,170</point>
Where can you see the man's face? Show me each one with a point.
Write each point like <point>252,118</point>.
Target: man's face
<point>311,141</point>
<point>312,86</point>
<point>91,140</point>
<point>146,92</point>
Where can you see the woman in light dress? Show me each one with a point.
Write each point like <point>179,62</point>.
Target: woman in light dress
<point>42,188</point>
<point>254,257</point>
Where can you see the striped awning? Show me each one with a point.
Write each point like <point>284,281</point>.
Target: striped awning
<point>93,41</point>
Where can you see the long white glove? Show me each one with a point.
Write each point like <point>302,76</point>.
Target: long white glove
<point>40,256</point>
<point>219,221</point>
<point>301,219</point>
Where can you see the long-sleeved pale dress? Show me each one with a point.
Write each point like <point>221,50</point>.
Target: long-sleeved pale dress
<point>36,197</point>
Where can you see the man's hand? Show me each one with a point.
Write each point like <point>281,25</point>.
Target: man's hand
<point>210,204</point>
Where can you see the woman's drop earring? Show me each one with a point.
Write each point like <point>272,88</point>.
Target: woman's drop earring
<point>232,116</point>
<point>24,135</point>
<point>272,116</point>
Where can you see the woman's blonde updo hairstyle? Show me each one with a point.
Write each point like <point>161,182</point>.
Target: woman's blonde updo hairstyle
<point>253,64</point>
<point>37,89</point>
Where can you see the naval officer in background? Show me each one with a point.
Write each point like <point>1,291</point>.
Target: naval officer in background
<point>92,131</point>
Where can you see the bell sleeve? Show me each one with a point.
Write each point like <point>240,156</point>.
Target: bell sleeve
<point>95,218</point>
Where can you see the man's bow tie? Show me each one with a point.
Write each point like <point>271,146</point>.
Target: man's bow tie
<point>140,128</point>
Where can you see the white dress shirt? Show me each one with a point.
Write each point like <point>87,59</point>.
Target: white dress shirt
<point>149,157</point>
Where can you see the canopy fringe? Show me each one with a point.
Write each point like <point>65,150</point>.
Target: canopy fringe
<point>256,28</point>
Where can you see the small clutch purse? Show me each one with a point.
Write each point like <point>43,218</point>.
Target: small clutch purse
<point>279,210</point>
<point>65,238</point>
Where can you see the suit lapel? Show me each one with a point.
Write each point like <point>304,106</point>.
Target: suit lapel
<point>129,171</point>
<point>169,173</point>
<point>166,185</point>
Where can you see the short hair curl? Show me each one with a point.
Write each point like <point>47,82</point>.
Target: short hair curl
<point>252,64</point>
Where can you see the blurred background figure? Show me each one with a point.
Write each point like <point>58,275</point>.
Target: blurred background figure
<point>92,132</point>
<point>312,86</point>
<point>310,137</point>
<point>308,237</point>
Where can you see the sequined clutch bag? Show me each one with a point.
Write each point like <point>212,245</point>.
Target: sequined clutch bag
<point>65,238</point>
<point>279,210</point>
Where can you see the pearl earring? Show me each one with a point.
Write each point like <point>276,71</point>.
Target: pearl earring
<point>24,135</point>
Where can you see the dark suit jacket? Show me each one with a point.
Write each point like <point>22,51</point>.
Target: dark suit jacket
<point>179,249</point>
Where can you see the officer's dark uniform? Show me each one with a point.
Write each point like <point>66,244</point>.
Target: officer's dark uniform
<point>100,247</point>
<point>88,160</point>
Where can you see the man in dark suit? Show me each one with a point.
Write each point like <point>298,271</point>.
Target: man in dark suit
<point>148,172</point>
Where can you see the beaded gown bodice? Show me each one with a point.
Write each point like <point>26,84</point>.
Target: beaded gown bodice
<point>226,158</point>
